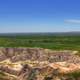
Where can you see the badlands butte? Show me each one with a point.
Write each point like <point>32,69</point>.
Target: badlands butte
<point>39,64</point>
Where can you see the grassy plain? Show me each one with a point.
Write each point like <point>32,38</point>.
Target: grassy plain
<point>43,41</point>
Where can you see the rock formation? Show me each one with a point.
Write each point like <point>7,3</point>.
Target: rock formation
<point>38,64</point>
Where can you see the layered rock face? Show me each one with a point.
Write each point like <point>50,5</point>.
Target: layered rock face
<point>38,63</point>
<point>35,54</point>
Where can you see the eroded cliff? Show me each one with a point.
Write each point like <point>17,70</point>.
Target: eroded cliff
<point>38,64</point>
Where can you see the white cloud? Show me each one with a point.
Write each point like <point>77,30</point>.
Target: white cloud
<point>72,21</point>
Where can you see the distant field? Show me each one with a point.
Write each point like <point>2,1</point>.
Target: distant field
<point>51,42</point>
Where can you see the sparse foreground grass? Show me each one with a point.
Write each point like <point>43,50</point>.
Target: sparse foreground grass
<point>75,75</point>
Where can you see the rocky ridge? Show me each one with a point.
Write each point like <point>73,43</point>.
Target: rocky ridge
<point>38,63</point>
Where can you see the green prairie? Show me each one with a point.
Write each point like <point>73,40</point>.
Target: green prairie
<point>43,41</point>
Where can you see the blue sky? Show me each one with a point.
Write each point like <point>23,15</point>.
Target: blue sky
<point>39,15</point>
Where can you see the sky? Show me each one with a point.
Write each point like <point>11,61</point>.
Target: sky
<point>39,16</point>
